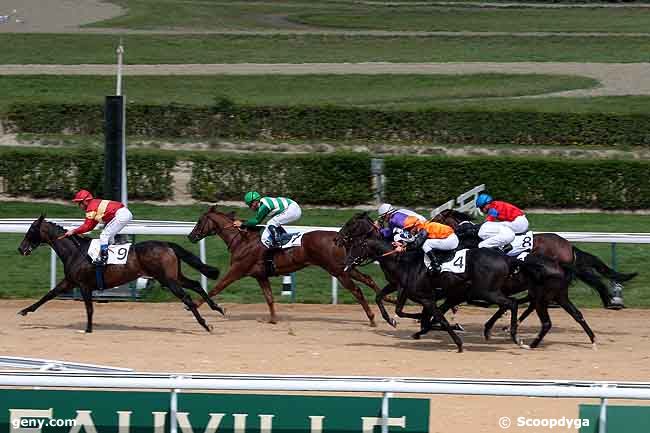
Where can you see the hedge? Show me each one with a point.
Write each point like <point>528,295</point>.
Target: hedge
<point>333,179</point>
<point>59,173</point>
<point>334,123</point>
<point>529,182</point>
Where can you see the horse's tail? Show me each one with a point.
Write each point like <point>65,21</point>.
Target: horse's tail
<point>585,261</point>
<point>195,262</point>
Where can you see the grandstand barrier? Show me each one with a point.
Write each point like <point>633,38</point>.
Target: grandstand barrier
<point>181,228</point>
<point>18,403</point>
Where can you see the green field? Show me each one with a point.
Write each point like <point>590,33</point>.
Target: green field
<point>203,15</point>
<point>37,48</point>
<point>377,91</point>
<point>28,277</point>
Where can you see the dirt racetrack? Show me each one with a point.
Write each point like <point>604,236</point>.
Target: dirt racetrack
<point>336,340</point>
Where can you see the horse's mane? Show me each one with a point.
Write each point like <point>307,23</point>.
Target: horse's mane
<point>59,229</point>
<point>230,215</point>
<point>457,215</point>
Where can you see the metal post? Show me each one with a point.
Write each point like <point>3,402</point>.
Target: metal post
<point>173,409</point>
<point>384,411</point>
<point>204,279</point>
<point>120,53</point>
<point>293,287</point>
<point>602,419</point>
<point>52,269</point>
<point>617,288</point>
<point>286,285</point>
<point>335,291</point>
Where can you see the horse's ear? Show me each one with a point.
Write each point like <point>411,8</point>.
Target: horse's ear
<point>42,217</point>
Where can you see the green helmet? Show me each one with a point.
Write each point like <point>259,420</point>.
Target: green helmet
<point>251,196</point>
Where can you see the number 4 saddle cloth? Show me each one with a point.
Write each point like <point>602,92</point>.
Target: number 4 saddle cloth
<point>117,254</point>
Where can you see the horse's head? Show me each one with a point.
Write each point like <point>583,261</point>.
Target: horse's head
<point>452,218</point>
<point>360,252</point>
<point>359,226</point>
<point>210,223</point>
<point>36,235</point>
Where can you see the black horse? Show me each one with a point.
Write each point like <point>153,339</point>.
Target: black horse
<point>587,267</point>
<point>543,279</point>
<point>486,272</point>
<point>160,260</point>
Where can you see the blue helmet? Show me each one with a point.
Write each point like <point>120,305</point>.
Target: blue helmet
<point>483,199</point>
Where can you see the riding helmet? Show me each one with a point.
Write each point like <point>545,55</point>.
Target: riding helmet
<point>82,195</point>
<point>483,199</point>
<point>251,196</point>
<point>385,208</point>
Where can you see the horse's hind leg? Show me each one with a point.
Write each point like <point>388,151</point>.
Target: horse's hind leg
<point>570,308</point>
<point>181,294</point>
<point>432,310</point>
<point>347,282</point>
<point>197,288</point>
<point>487,328</point>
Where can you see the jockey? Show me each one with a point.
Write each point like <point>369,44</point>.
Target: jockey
<point>503,220</point>
<point>394,219</point>
<point>282,210</point>
<point>432,237</point>
<point>113,214</point>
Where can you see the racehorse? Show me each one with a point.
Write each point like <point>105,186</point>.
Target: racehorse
<point>544,279</point>
<point>247,255</point>
<point>586,266</point>
<point>160,260</point>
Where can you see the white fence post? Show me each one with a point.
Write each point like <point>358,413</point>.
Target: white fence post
<point>52,269</point>
<point>335,291</point>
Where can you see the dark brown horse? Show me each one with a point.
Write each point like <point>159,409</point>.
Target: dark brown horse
<point>160,260</point>
<point>587,267</point>
<point>247,255</point>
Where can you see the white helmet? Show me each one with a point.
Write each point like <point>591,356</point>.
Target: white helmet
<point>385,208</point>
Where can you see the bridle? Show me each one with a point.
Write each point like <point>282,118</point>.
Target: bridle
<point>220,229</point>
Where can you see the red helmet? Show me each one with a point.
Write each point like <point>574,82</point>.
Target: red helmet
<point>82,195</point>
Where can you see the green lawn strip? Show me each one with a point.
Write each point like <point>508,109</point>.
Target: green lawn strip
<point>28,277</point>
<point>38,48</point>
<point>417,91</point>
<point>433,18</point>
<point>200,14</point>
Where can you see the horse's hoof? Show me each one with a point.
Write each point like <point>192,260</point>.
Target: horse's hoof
<point>372,324</point>
<point>209,328</point>
<point>22,313</point>
<point>222,311</point>
<point>594,346</point>
<point>415,336</point>
<point>393,323</point>
<point>460,349</point>
<point>273,321</point>
<point>525,346</point>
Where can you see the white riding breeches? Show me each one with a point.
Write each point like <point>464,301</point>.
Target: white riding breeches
<point>448,243</point>
<point>501,233</point>
<point>290,214</point>
<point>122,217</point>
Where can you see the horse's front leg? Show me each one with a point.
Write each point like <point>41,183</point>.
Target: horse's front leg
<point>233,274</point>
<point>87,295</point>
<point>379,299</point>
<point>265,284</point>
<point>62,287</point>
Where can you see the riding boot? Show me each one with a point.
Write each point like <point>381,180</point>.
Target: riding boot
<point>273,236</point>
<point>434,266</point>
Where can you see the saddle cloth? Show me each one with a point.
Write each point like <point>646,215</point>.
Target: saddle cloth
<point>117,254</point>
<point>457,264</point>
<point>294,241</point>
<point>522,243</point>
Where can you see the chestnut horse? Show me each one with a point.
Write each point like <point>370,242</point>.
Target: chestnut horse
<point>247,255</point>
<point>160,260</point>
<point>587,267</point>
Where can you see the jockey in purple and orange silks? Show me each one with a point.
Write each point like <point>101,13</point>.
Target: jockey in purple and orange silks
<point>392,218</point>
